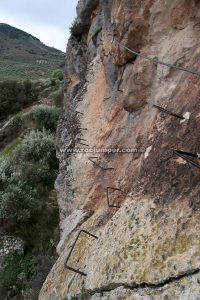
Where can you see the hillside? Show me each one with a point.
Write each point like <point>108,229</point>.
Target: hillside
<point>28,207</point>
<point>130,221</point>
<point>29,112</point>
<point>23,56</point>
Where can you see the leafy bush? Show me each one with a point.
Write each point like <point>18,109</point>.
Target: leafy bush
<point>36,156</point>
<point>42,267</point>
<point>18,202</point>
<point>58,74</point>
<point>58,97</point>
<point>33,163</point>
<point>15,265</point>
<point>76,29</point>
<point>45,117</point>
<point>15,95</point>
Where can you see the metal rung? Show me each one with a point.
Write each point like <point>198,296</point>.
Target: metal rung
<point>168,112</point>
<point>98,165</point>
<point>107,192</point>
<point>72,248</point>
<point>84,144</point>
<point>196,155</point>
<point>184,156</point>
<point>78,112</point>
<point>80,139</point>
<point>80,128</point>
<point>106,98</point>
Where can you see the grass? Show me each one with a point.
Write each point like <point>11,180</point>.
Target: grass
<point>10,148</point>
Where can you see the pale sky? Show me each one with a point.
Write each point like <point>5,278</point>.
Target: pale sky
<point>48,20</point>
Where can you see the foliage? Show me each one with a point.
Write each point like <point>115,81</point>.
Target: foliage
<point>18,201</point>
<point>10,148</point>
<point>85,294</point>
<point>42,266</point>
<point>58,74</point>
<point>33,163</point>
<point>45,117</point>
<point>76,29</point>
<point>42,228</point>
<point>37,158</point>
<point>15,265</point>
<point>58,97</point>
<point>15,95</point>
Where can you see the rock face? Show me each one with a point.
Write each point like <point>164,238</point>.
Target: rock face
<point>148,244</point>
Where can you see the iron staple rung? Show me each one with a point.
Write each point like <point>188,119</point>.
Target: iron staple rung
<point>108,201</point>
<point>88,233</point>
<point>72,248</point>
<point>168,112</point>
<point>157,61</point>
<point>106,98</point>
<point>188,153</point>
<point>98,165</point>
<point>80,139</point>
<point>187,159</point>
<point>120,81</point>
<point>74,270</point>
<point>78,112</point>
<point>84,145</point>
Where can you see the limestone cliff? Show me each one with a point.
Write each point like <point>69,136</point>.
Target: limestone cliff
<point>149,247</point>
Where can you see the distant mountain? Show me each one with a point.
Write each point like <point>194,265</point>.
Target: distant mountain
<point>24,56</point>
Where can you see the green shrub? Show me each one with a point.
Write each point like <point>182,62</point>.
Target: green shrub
<point>58,74</point>
<point>15,265</point>
<point>6,169</point>
<point>42,84</point>
<point>18,202</point>
<point>36,155</point>
<point>15,95</point>
<point>58,97</point>
<point>45,117</point>
<point>53,82</point>
<point>31,165</point>
<point>76,29</point>
<point>36,145</point>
